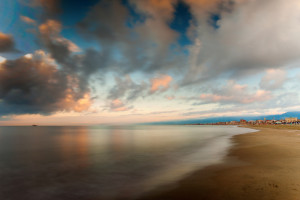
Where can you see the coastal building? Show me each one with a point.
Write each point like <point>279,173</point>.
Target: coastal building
<point>288,120</point>
<point>242,121</point>
<point>269,122</point>
<point>259,121</point>
<point>251,122</point>
<point>291,119</point>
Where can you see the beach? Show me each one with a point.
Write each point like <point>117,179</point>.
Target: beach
<point>262,165</point>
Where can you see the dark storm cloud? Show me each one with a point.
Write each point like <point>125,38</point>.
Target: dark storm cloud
<point>106,21</point>
<point>6,43</point>
<point>95,61</point>
<point>52,7</point>
<point>46,82</point>
<point>83,65</point>
<point>30,85</point>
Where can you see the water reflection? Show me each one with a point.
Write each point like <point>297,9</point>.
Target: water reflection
<point>40,163</point>
<point>117,144</point>
<point>74,145</point>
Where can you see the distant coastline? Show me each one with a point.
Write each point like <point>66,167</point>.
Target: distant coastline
<point>286,121</point>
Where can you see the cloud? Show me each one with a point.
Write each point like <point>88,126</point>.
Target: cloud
<point>50,28</point>
<point>156,26</point>
<point>62,50</point>
<point>273,79</point>
<point>77,105</point>
<point>230,39</point>
<point>97,25</point>
<point>144,45</point>
<point>203,8</point>
<point>118,106</point>
<point>71,46</point>
<point>233,93</point>
<point>58,46</point>
<point>51,8</point>
<point>251,36</point>
<point>170,97</point>
<point>27,20</point>
<point>128,89</point>
<point>6,43</point>
<point>260,95</point>
<point>161,83</point>
<point>31,85</point>
<point>2,59</point>
<point>156,8</point>
<point>280,103</point>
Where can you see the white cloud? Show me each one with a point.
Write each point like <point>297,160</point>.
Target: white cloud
<point>233,93</point>
<point>254,35</point>
<point>273,79</point>
<point>118,106</point>
<point>2,59</point>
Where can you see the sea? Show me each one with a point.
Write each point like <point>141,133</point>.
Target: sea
<point>105,162</point>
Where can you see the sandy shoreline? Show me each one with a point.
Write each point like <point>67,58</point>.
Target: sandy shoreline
<point>260,165</point>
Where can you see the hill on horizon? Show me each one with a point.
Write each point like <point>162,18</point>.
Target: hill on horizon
<point>230,118</point>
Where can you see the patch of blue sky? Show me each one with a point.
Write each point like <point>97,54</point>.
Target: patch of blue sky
<point>10,23</point>
<point>181,22</point>
<point>75,11</point>
<point>214,20</point>
<point>134,16</point>
<point>9,11</point>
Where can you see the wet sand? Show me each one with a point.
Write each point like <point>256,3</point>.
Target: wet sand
<point>263,165</point>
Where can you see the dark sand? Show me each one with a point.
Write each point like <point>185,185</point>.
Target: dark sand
<point>261,165</point>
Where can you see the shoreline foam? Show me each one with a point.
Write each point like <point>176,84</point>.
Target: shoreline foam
<point>212,153</point>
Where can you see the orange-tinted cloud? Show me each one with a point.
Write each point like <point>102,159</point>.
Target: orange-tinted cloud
<point>31,84</point>
<point>160,83</point>
<point>50,28</point>
<point>236,93</point>
<point>6,42</point>
<point>27,20</point>
<point>157,8</point>
<point>78,105</point>
<point>169,97</point>
<point>117,105</point>
<point>50,31</point>
<point>51,7</point>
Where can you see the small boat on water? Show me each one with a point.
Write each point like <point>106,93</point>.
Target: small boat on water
<point>34,125</point>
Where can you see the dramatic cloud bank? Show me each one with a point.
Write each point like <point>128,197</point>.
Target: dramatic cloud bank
<point>31,84</point>
<point>136,55</point>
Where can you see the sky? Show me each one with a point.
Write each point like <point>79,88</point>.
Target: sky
<point>65,62</point>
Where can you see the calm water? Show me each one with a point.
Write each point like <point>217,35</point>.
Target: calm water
<point>41,163</point>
